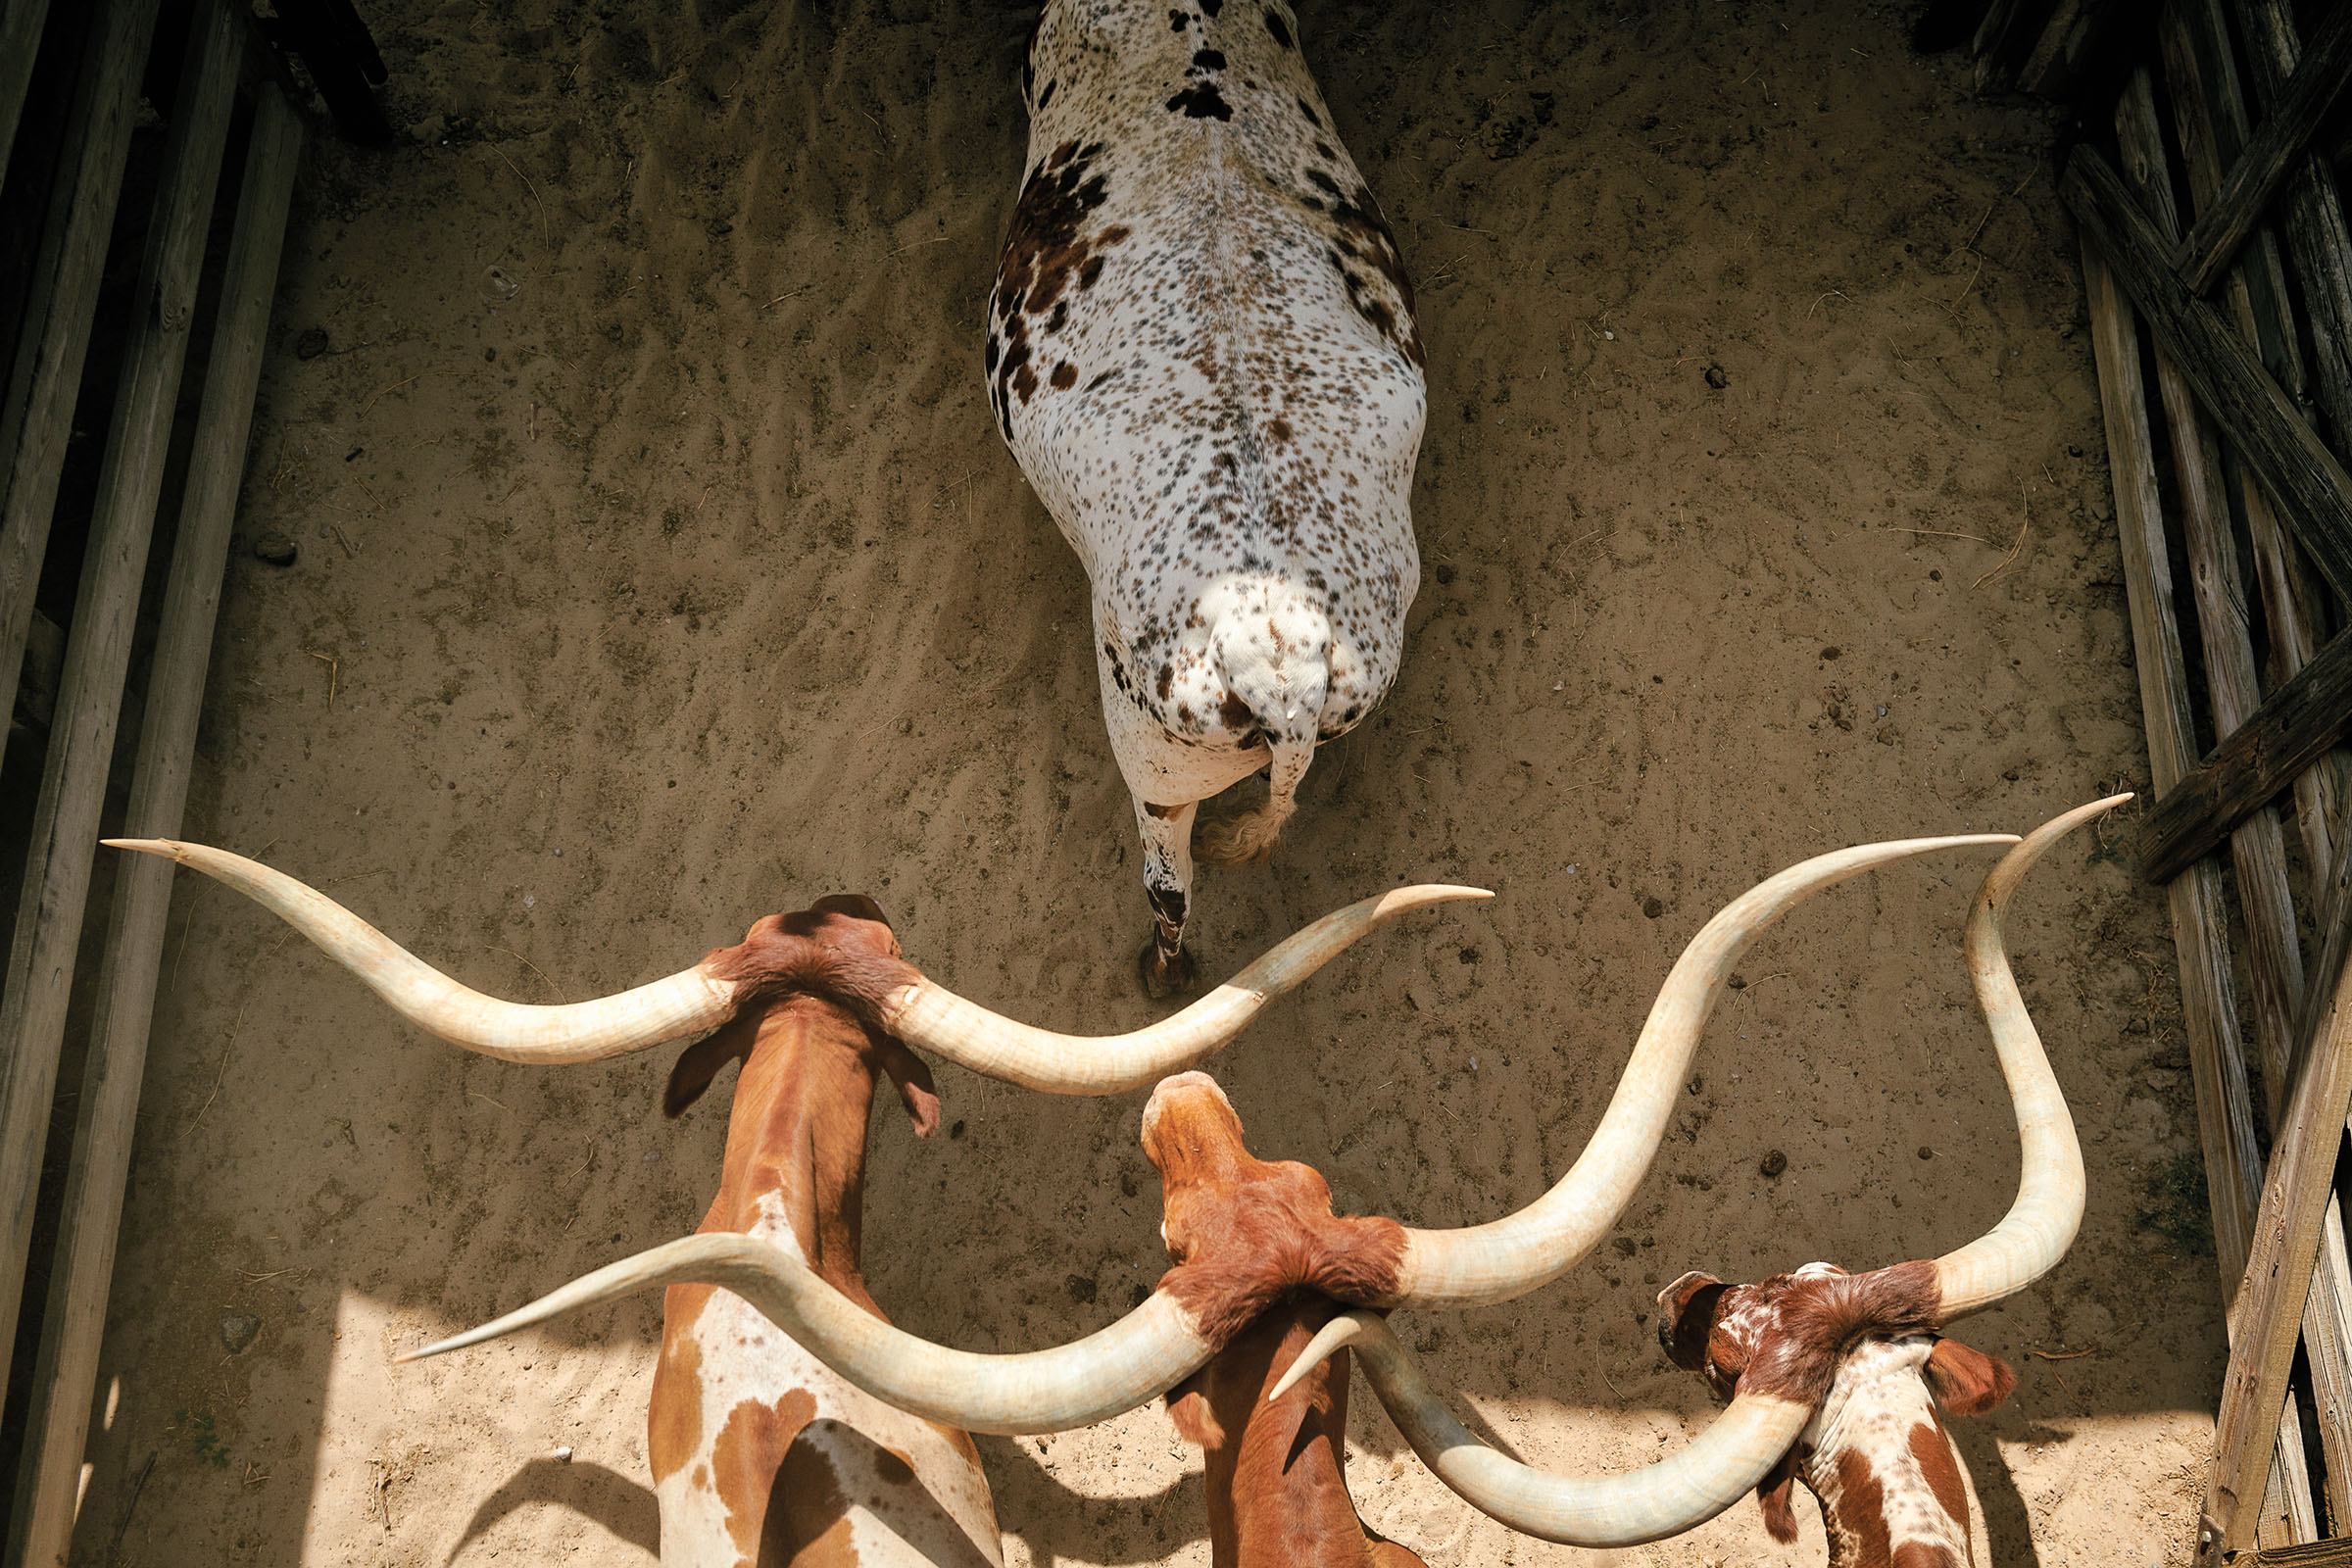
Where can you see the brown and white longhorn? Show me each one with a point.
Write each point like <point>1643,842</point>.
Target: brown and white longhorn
<point>760,1451</point>
<point>1827,1376</point>
<point>1266,1253</point>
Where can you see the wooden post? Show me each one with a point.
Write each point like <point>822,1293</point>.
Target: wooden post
<point>41,1523</point>
<point>20,23</point>
<point>2200,934</point>
<point>2268,1318</point>
<point>2214,122</point>
<point>37,414</point>
<point>2320,78</point>
<point>2257,849</point>
<point>2201,79</point>
<point>82,739</point>
<point>2318,241</point>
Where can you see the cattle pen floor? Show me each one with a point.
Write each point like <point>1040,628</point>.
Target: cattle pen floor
<point>661,568</point>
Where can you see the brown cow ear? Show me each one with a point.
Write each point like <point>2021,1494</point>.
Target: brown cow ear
<point>1194,1422</point>
<point>912,1076</point>
<point>1967,1382</point>
<point>1780,1508</point>
<point>700,1062</point>
<point>1687,1311</point>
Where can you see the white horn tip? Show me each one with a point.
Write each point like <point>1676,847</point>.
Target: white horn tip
<point>1330,1337</point>
<point>1439,893</point>
<point>145,845</point>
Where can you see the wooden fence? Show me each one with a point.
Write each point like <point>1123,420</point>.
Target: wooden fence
<point>2217,271</point>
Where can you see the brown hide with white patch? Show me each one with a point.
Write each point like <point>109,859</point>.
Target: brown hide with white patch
<point>1861,1349</point>
<point>759,1454</point>
<point>1256,1244</point>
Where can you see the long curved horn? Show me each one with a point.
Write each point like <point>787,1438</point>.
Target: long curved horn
<point>1715,1470</point>
<point>2040,1225</point>
<point>1127,1364</point>
<point>923,1013</point>
<point>933,1018</point>
<point>1507,1257</point>
<point>1728,1460</point>
<point>683,1004</point>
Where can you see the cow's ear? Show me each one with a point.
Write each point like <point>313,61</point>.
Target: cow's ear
<point>1687,1311</point>
<point>700,1062</point>
<point>912,1076</point>
<point>1188,1407</point>
<point>1780,1508</point>
<point>1967,1382</point>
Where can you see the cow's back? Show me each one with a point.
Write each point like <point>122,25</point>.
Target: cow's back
<point>1201,345</point>
<point>761,1454</point>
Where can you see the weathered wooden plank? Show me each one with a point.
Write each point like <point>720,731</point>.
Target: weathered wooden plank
<point>2208,1004</point>
<point>2301,475</point>
<point>81,737</point>
<point>2267,1319</point>
<point>2213,123</point>
<point>2316,1554</point>
<point>2294,725</point>
<point>20,23</point>
<point>37,414</point>
<point>2257,849</point>
<point>41,1520</point>
<point>2208,116</point>
<point>2318,241</point>
<point>2318,81</point>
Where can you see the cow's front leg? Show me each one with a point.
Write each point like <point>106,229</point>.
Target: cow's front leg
<point>1167,833</point>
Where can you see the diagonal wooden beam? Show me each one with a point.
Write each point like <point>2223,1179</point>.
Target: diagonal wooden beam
<point>2268,1318</point>
<point>2318,81</point>
<point>2311,488</point>
<point>2292,729</point>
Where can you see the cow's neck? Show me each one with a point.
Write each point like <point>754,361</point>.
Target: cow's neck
<point>1882,1468</point>
<point>796,1141</point>
<point>1277,1484</point>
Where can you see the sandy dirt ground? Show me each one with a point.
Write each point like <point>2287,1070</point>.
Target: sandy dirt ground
<point>661,568</point>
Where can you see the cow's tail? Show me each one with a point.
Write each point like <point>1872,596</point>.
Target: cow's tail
<point>1251,835</point>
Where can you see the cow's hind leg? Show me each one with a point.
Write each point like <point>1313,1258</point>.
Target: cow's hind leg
<point>1167,832</point>
<point>1251,836</point>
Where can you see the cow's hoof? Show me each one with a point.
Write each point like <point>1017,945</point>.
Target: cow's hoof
<point>1167,974</point>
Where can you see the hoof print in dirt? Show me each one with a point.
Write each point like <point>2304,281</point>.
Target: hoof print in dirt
<point>275,549</point>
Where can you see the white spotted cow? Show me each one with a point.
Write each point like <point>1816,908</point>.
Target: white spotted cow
<point>1201,352</point>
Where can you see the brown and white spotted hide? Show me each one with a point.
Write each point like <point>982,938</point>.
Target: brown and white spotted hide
<point>1862,1349</point>
<point>760,1455</point>
<point>1201,352</point>
<point>1257,1248</point>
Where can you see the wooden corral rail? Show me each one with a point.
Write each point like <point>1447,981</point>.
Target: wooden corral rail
<point>225,63</point>
<point>2254,426</point>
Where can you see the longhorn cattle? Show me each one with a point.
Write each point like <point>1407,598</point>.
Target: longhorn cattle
<point>1257,1244</point>
<point>1862,1351</point>
<point>759,1451</point>
<point>1831,1378</point>
<point>1277,1480</point>
<point>1201,352</point>
<point>1271,1243</point>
